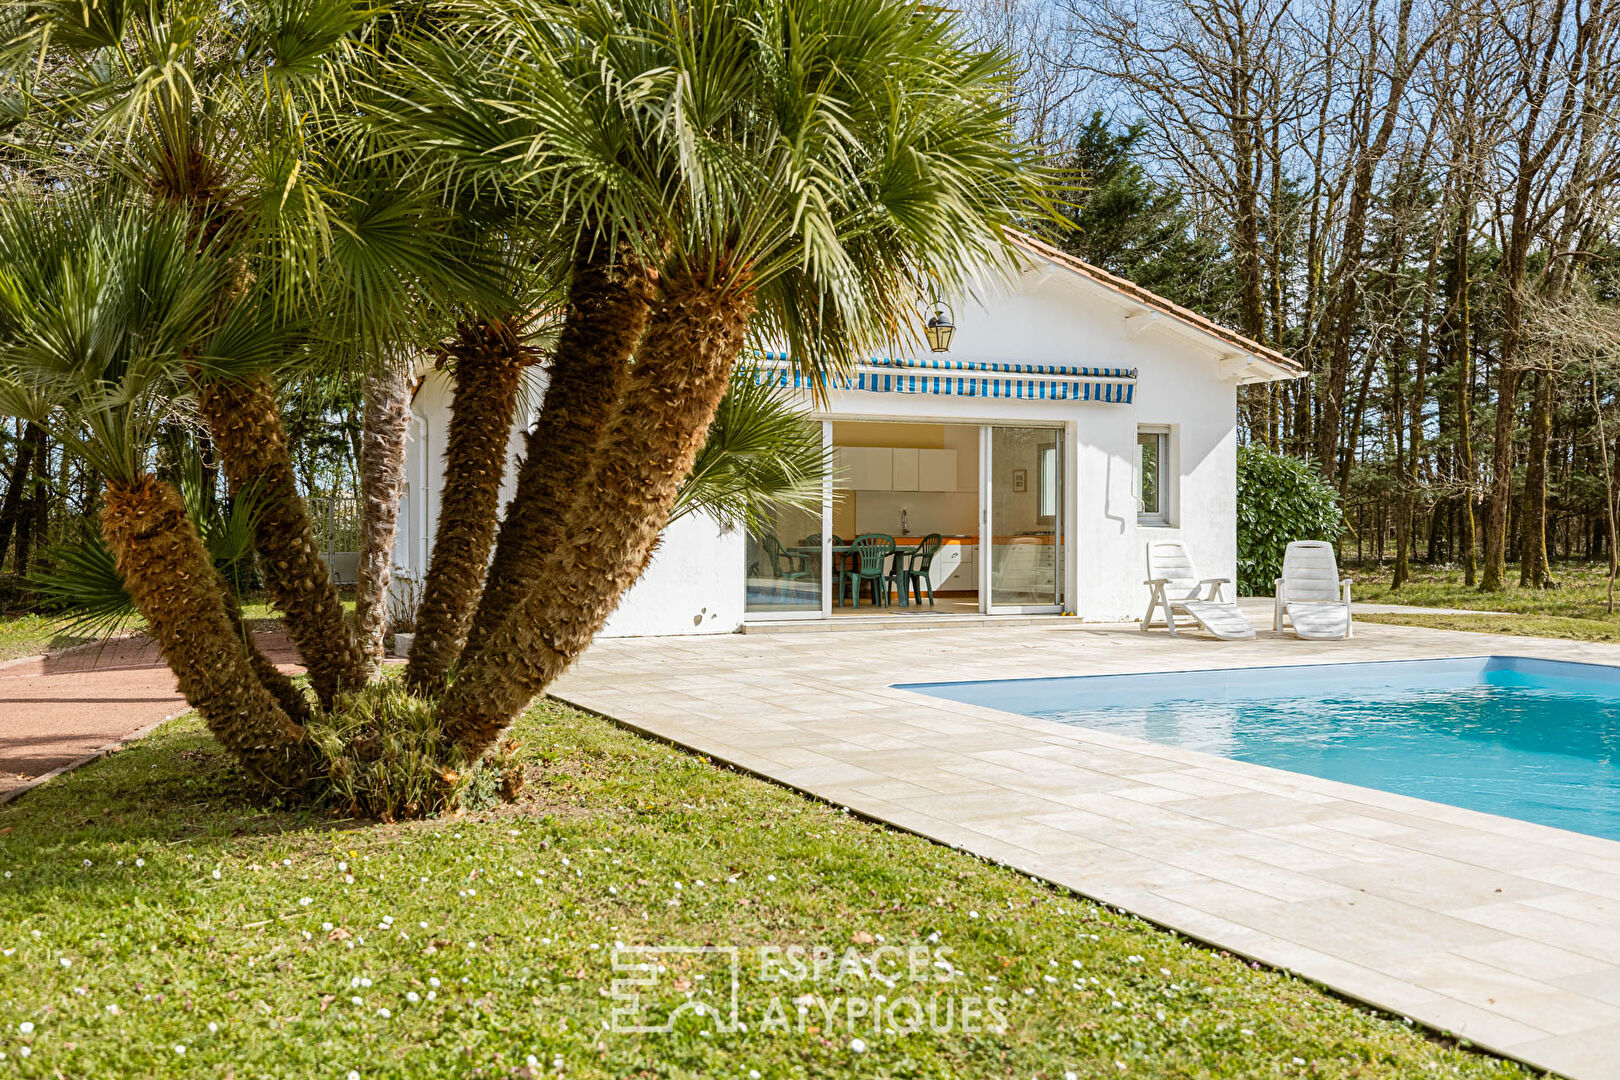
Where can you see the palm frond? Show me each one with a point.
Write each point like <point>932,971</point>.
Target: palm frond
<point>100,303</point>
<point>761,455</point>
<point>81,576</point>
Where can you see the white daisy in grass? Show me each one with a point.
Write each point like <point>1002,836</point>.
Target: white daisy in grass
<point>26,1027</point>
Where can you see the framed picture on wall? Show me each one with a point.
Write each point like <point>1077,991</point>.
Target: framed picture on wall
<point>1020,480</point>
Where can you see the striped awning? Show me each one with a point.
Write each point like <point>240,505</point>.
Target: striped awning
<point>965,378</point>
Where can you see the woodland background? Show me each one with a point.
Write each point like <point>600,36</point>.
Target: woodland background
<point>1415,199</point>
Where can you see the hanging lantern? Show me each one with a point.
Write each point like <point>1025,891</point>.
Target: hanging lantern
<point>940,327</point>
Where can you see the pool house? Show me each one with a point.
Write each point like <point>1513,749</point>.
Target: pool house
<point>1071,418</point>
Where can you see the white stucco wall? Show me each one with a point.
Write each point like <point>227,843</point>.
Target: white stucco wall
<point>695,583</point>
<point>693,586</point>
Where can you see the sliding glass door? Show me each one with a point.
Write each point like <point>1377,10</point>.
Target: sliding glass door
<point>788,574</point>
<point>1022,521</point>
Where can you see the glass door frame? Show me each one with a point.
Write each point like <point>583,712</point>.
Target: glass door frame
<point>987,535</point>
<point>825,611</point>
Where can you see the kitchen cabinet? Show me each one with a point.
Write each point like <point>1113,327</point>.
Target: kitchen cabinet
<point>905,469</point>
<point>883,468</point>
<point>865,468</point>
<point>936,469</point>
<point>967,577</point>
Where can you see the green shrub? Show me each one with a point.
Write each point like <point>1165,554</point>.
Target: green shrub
<point>1279,499</point>
<point>385,756</point>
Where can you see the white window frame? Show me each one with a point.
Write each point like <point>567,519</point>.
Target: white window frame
<point>1164,516</point>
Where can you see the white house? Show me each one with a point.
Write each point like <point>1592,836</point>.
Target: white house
<point>1074,418</point>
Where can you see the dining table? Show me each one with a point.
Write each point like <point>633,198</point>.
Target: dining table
<point>811,554</point>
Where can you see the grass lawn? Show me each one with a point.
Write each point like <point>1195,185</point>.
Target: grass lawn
<point>152,924</point>
<point>29,634</point>
<point>24,634</point>
<point>1576,610</point>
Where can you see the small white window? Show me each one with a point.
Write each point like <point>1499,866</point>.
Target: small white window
<point>1153,476</point>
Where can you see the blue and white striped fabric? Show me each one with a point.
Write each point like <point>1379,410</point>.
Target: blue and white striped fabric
<point>966,378</point>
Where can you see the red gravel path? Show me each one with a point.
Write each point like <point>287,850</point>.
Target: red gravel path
<point>57,710</point>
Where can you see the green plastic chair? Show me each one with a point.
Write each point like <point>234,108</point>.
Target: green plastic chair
<point>779,556</point>
<point>870,563</point>
<point>911,569</point>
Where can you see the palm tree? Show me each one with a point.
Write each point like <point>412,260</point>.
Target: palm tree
<point>450,85</point>
<point>104,314</point>
<point>795,170</point>
<point>487,358</point>
<point>243,116</point>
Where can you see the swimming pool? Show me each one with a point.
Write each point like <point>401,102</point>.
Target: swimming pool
<point>1532,739</point>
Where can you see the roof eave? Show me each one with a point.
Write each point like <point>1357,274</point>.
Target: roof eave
<point>1247,360</point>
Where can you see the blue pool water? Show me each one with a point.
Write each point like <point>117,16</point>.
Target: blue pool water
<point>1532,739</point>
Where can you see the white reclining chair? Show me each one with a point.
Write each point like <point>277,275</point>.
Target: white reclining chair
<point>1311,597</point>
<point>1178,590</point>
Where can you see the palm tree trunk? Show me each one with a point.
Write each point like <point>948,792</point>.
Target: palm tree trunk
<point>487,361</point>
<point>386,417</point>
<point>174,585</point>
<point>693,338</point>
<point>607,312</point>
<point>245,422</point>
<point>281,687</point>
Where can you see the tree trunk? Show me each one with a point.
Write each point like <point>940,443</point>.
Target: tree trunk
<point>15,504</point>
<point>246,425</point>
<point>1608,493</point>
<point>693,338</point>
<point>280,685</point>
<point>173,583</point>
<point>386,418</point>
<point>1501,493</point>
<point>34,515</point>
<point>1459,346</point>
<point>606,314</point>
<point>487,362</point>
<point>1534,571</point>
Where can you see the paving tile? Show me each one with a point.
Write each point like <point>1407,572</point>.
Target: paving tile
<point>1590,1055</point>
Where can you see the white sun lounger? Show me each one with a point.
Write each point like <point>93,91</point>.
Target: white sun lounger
<point>1178,590</point>
<point>1311,597</point>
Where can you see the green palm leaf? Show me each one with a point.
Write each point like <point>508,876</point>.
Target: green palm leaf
<point>761,455</point>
